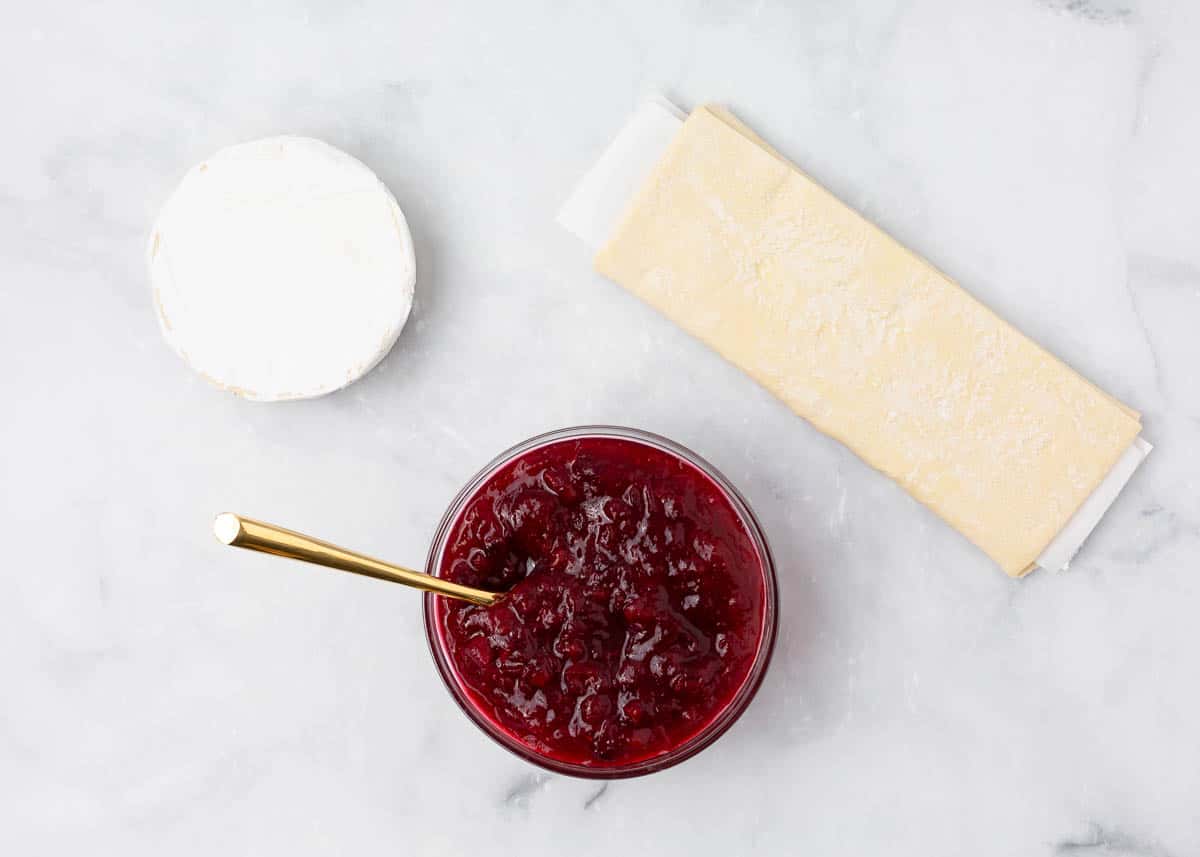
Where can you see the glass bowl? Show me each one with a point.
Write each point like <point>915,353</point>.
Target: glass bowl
<point>719,723</point>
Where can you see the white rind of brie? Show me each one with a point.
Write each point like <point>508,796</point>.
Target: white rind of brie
<point>282,268</point>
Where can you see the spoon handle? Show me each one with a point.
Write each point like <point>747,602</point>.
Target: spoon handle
<point>255,535</point>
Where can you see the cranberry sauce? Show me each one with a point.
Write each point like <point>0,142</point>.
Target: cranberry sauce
<point>636,602</point>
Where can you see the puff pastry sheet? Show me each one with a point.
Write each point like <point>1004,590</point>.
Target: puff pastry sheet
<point>866,340</point>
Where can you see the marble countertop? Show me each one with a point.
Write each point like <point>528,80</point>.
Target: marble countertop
<point>164,695</point>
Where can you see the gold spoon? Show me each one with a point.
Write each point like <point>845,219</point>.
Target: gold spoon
<point>254,535</point>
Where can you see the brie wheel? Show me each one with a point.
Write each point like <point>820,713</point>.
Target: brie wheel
<point>282,269</point>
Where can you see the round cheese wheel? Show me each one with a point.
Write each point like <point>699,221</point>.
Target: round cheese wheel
<point>282,269</point>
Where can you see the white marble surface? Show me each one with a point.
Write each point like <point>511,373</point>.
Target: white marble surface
<point>163,695</point>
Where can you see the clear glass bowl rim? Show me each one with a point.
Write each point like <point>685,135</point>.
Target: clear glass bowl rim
<point>732,710</point>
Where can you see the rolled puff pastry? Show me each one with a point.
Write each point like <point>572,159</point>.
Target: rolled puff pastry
<point>866,340</point>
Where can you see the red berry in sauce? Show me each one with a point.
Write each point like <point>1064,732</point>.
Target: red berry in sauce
<point>635,607</point>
